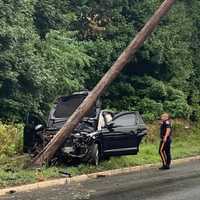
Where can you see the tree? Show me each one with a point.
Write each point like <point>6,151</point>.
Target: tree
<point>39,38</point>
<point>33,72</point>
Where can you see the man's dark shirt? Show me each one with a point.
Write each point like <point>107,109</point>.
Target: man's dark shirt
<point>163,128</point>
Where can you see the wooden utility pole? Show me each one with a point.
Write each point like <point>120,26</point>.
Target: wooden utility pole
<point>49,151</point>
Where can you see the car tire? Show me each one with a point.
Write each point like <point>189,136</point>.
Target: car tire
<point>95,155</point>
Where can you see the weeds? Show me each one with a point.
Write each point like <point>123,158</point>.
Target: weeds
<point>10,140</point>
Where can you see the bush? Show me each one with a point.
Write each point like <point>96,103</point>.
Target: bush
<point>178,108</point>
<point>150,109</point>
<point>148,117</point>
<point>10,139</point>
<point>173,94</point>
<point>195,116</point>
<point>157,90</point>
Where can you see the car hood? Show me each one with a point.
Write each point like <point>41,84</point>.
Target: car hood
<point>88,125</point>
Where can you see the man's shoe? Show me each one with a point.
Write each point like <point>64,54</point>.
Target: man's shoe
<point>161,168</point>
<point>164,168</point>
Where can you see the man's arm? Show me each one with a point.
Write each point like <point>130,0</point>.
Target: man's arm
<point>167,134</point>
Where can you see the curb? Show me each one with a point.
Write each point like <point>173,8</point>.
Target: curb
<point>82,178</point>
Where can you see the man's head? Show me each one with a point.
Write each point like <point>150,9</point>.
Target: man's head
<point>164,117</point>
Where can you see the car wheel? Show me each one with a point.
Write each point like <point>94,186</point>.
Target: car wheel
<point>95,155</point>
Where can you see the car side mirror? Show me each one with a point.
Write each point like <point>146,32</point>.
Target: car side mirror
<point>39,127</point>
<point>110,125</point>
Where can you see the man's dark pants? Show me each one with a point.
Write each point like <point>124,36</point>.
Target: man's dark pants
<point>165,152</point>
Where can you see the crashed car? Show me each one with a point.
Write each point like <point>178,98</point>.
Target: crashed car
<point>100,134</point>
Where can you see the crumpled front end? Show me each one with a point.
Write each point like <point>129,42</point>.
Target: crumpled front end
<point>77,146</point>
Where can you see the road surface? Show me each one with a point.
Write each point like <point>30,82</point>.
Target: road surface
<point>182,182</point>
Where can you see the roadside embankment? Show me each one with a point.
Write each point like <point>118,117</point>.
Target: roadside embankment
<point>186,140</point>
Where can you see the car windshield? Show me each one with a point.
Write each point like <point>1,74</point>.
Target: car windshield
<point>67,105</point>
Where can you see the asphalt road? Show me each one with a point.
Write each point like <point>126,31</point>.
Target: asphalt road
<point>182,182</point>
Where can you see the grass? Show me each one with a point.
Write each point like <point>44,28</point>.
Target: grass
<point>185,143</point>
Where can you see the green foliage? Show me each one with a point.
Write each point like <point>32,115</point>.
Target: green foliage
<point>65,61</point>
<point>195,115</point>
<point>173,94</point>
<point>34,72</point>
<point>178,108</point>
<point>50,48</point>
<point>150,108</point>
<point>49,14</point>
<point>11,138</point>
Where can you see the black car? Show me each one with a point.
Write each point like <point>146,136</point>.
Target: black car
<point>101,134</point>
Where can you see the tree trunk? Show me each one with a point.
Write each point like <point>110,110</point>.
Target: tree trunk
<point>49,151</point>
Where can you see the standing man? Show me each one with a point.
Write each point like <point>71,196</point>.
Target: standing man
<point>165,143</point>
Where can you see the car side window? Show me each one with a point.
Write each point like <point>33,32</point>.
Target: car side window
<point>140,119</point>
<point>126,120</point>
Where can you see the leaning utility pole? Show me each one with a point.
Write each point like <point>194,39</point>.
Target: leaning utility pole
<point>49,151</point>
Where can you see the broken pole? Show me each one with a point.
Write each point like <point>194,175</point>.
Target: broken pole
<point>49,151</point>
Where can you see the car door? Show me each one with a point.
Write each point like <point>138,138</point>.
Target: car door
<point>141,128</point>
<point>119,136</point>
<point>30,137</point>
